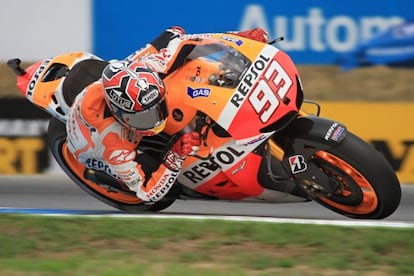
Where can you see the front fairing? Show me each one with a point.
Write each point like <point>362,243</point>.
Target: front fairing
<point>244,86</point>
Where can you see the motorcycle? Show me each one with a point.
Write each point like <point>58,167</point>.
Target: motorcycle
<point>262,141</point>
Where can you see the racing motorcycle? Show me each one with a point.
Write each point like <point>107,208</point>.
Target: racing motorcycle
<point>262,141</point>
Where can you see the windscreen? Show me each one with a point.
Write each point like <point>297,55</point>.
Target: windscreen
<point>227,65</point>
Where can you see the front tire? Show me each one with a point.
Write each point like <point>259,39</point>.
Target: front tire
<point>56,140</point>
<point>368,187</point>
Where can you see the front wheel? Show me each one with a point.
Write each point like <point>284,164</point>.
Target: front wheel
<point>75,170</point>
<point>367,186</point>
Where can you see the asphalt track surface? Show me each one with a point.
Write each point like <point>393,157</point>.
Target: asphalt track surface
<point>56,193</point>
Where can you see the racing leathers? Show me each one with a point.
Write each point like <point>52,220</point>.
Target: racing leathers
<point>100,142</point>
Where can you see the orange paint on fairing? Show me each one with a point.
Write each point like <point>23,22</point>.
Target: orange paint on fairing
<point>177,84</point>
<point>195,74</point>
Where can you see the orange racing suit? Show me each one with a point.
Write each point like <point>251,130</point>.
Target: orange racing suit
<point>97,140</point>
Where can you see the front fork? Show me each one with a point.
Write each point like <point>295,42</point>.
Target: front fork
<point>305,136</point>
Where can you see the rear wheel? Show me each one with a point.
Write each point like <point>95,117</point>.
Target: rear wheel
<point>367,186</point>
<point>75,170</point>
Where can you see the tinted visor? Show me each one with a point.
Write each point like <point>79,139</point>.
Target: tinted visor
<point>147,119</point>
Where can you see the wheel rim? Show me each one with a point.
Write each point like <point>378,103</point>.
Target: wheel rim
<point>349,178</point>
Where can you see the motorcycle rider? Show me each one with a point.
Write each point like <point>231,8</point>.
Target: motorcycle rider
<point>110,117</point>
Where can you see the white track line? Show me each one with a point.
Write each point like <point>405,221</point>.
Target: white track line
<point>346,223</point>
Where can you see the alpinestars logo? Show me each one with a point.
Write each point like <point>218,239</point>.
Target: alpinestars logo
<point>122,156</point>
<point>297,164</point>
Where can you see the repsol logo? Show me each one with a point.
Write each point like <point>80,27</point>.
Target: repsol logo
<point>162,186</point>
<point>227,156</point>
<point>35,78</point>
<point>334,132</point>
<point>249,79</point>
<point>98,165</point>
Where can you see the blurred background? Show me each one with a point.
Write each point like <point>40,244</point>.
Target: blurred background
<point>355,58</point>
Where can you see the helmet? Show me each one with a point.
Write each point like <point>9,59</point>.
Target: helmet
<point>135,95</point>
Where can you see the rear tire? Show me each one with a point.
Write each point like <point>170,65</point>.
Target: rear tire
<point>56,140</point>
<point>369,187</point>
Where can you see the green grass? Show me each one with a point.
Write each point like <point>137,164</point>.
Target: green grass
<point>41,245</point>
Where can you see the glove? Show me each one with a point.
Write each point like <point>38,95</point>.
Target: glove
<point>187,144</point>
<point>257,34</point>
<point>176,30</point>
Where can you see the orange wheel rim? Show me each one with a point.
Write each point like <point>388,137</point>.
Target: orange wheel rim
<point>369,201</point>
<point>77,168</point>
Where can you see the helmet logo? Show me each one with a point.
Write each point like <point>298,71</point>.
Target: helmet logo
<point>116,96</point>
<point>149,97</point>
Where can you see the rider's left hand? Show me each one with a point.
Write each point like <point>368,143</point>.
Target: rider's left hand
<point>257,34</point>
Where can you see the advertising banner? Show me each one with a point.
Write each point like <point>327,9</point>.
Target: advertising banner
<point>387,126</point>
<point>315,32</point>
<point>23,145</point>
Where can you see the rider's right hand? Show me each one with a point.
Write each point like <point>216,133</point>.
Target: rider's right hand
<point>187,144</point>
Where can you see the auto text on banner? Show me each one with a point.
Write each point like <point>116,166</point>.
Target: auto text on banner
<point>315,32</point>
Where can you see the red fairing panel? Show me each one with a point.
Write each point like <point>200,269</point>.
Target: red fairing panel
<point>236,183</point>
<point>23,81</point>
